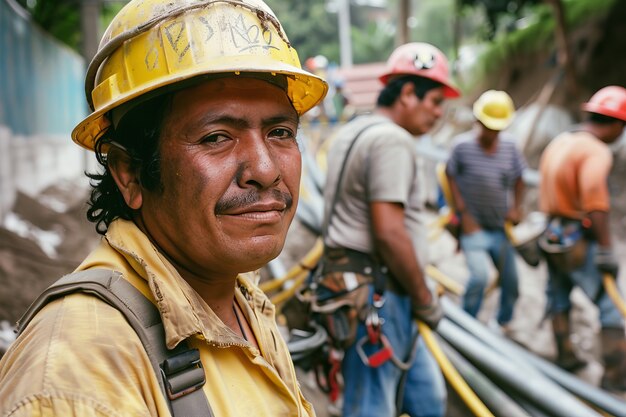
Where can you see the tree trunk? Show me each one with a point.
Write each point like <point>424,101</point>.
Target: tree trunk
<point>404,10</point>
<point>564,57</point>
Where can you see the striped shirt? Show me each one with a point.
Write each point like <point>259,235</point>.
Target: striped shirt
<point>486,180</point>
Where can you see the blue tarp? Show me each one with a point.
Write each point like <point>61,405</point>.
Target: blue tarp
<point>41,80</point>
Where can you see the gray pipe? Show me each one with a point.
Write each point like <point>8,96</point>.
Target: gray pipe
<point>529,383</point>
<point>585,391</point>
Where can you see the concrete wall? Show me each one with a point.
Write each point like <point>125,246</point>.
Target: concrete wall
<point>32,163</point>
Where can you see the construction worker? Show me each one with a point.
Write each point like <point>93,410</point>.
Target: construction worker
<point>373,236</point>
<point>195,111</point>
<point>484,171</point>
<point>574,193</point>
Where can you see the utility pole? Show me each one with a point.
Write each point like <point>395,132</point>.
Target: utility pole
<point>90,28</point>
<point>456,29</point>
<point>345,41</point>
<point>404,11</point>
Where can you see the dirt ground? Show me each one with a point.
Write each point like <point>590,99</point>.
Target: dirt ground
<point>25,267</point>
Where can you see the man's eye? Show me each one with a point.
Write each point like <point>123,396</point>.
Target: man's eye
<point>215,138</point>
<point>282,134</point>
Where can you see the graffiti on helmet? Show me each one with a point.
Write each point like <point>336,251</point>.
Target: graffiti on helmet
<point>424,59</point>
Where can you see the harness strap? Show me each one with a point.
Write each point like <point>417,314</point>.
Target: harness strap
<point>179,370</point>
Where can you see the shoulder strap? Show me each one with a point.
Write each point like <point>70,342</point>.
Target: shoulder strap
<point>331,211</point>
<point>179,370</point>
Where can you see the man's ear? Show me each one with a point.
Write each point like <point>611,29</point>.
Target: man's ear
<point>407,93</point>
<point>126,177</point>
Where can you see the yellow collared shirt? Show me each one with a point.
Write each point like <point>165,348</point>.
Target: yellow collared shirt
<point>79,357</point>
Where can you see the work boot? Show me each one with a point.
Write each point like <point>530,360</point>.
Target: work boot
<point>566,358</point>
<point>614,356</point>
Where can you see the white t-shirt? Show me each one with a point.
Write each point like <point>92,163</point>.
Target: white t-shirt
<point>382,166</point>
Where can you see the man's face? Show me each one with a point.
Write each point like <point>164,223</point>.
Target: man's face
<point>616,130</point>
<point>230,171</point>
<point>487,136</point>
<point>426,111</point>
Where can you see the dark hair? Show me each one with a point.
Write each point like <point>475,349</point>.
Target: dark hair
<point>601,119</point>
<point>391,92</point>
<point>139,134</point>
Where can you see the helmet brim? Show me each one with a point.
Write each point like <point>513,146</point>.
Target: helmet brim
<point>599,109</point>
<point>449,90</point>
<point>305,91</point>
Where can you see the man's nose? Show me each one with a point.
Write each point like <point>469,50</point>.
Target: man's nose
<point>438,111</point>
<point>257,164</point>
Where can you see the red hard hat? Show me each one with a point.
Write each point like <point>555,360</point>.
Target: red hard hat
<point>609,101</point>
<point>421,59</point>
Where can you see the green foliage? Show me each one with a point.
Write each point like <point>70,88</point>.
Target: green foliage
<point>109,10</point>
<point>538,33</point>
<point>60,18</point>
<point>371,44</point>
<point>435,24</point>
<point>310,27</point>
<point>313,30</point>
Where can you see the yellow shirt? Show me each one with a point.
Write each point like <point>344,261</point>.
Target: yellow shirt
<point>79,357</point>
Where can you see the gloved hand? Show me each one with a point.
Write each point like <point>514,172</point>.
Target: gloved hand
<point>431,314</point>
<point>606,261</point>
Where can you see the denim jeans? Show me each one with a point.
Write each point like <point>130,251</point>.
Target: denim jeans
<point>372,391</point>
<point>589,279</point>
<point>480,248</point>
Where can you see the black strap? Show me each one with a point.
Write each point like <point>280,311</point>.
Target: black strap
<point>179,370</point>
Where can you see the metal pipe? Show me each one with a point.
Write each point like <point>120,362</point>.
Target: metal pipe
<point>527,381</point>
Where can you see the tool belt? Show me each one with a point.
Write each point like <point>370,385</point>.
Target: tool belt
<point>342,291</point>
<point>564,243</point>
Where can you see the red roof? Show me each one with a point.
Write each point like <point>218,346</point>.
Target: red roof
<point>361,84</point>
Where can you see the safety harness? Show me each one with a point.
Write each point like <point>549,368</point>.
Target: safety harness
<point>179,370</point>
<point>365,264</point>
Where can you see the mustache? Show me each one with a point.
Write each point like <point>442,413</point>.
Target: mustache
<point>250,197</point>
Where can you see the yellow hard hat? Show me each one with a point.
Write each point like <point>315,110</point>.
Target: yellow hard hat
<point>151,44</point>
<point>494,109</point>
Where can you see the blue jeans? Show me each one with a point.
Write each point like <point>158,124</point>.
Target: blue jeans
<point>589,279</point>
<point>372,391</point>
<point>480,248</point>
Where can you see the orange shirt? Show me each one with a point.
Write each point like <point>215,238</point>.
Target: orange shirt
<point>574,171</point>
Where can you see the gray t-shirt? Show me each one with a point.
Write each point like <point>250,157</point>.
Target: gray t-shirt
<point>485,181</point>
<point>382,166</point>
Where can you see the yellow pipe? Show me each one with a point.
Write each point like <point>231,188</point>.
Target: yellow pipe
<point>307,263</point>
<point>611,289</point>
<point>438,225</point>
<point>452,375</point>
<point>284,295</point>
<point>508,231</point>
<point>442,178</point>
<point>447,282</point>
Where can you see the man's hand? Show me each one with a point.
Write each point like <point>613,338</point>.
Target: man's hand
<point>431,314</point>
<point>606,261</point>
<point>468,223</point>
<point>514,215</point>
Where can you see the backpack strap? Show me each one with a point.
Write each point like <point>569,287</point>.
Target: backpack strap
<point>179,371</point>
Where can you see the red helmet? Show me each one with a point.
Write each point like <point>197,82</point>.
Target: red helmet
<point>609,101</point>
<point>421,59</point>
